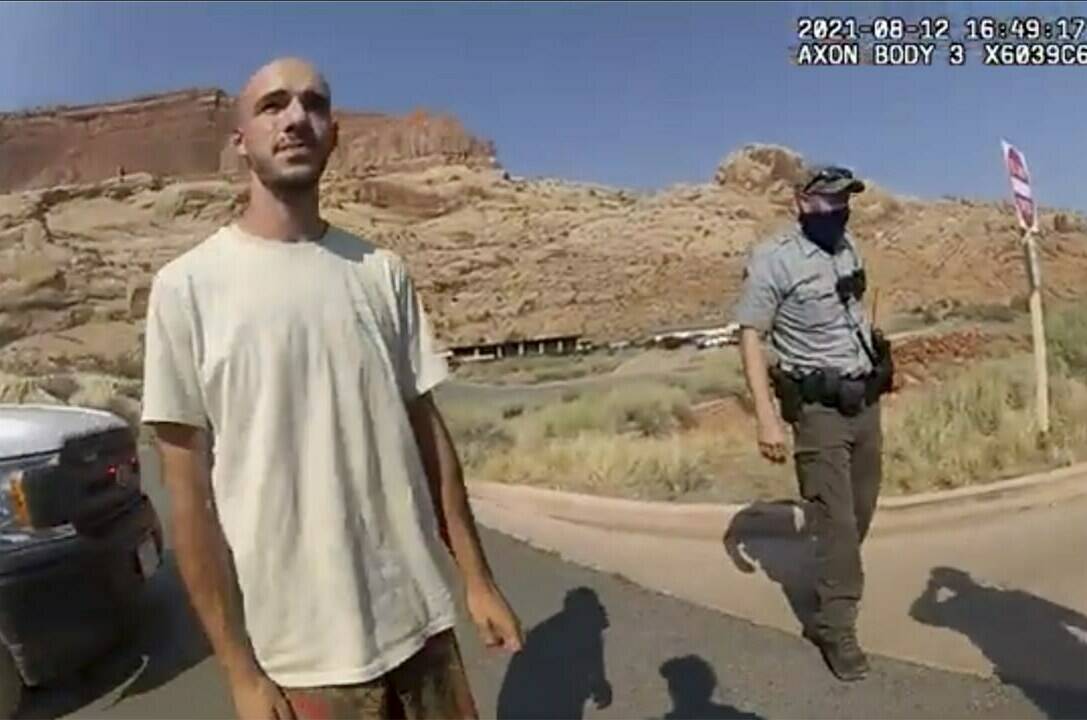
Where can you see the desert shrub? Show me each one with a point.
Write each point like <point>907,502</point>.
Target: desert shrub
<point>981,426</point>
<point>477,432</point>
<point>1066,337</point>
<point>651,468</point>
<point>986,312</point>
<point>649,409</point>
<point>718,374</point>
<point>61,387</point>
<point>128,365</point>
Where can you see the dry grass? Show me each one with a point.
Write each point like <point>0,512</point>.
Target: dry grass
<point>631,440</point>
<point>1066,338</point>
<point>982,426</point>
<point>658,468</point>
<point>105,392</point>
<point>711,375</point>
<point>530,370</point>
<point>648,410</point>
<point>478,432</point>
<point>638,441</point>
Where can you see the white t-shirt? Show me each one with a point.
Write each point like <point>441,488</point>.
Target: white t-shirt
<point>299,357</point>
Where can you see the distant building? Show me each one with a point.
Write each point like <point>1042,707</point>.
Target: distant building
<point>704,336</point>
<point>527,347</point>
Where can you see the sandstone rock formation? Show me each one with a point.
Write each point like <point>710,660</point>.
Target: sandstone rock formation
<point>494,257</point>
<point>186,134</point>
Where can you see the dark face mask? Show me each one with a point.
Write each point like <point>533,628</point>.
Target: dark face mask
<point>827,230</point>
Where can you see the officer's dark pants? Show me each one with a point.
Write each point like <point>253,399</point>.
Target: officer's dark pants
<point>838,462</point>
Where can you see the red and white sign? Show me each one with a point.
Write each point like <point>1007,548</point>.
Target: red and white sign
<point>1025,207</point>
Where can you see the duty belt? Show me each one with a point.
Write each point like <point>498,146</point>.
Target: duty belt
<point>849,395</point>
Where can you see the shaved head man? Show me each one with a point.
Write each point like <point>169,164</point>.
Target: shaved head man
<point>284,127</point>
<point>324,546</point>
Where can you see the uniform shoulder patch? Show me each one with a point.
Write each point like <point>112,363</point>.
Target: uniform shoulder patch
<point>784,239</point>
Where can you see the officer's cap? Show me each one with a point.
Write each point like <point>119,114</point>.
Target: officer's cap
<point>829,180</point>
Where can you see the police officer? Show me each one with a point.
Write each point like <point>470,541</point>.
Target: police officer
<point>804,288</point>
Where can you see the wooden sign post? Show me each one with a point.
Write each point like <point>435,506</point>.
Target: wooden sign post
<point>1037,325</point>
<point>1027,212</point>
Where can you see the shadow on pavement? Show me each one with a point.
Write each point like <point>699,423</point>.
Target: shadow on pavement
<point>165,641</point>
<point>1035,645</point>
<point>561,666</point>
<point>767,533</point>
<point>691,684</point>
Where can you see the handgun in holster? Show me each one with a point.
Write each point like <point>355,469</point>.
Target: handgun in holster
<point>788,394</point>
<point>884,367</point>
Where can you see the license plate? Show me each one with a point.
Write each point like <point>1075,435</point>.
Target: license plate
<point>148,556</point>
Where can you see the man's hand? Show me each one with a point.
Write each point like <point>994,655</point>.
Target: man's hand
<point>256,697</point>
<point>771,434</point>
<point>498,626</point>
<point>602,695</point>
<point>772,439</point>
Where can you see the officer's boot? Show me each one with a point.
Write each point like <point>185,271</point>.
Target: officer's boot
<point>841,652</point>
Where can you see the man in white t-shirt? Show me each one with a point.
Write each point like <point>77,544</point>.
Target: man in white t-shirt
<point>321,548</point>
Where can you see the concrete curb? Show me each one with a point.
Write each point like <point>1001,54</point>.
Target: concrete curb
<point>707,521</point>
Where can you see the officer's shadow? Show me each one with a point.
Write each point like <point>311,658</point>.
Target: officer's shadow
<point>771,536</point>
<point>691,685</point>
<point>1034,644</point>
<point>561,666</point>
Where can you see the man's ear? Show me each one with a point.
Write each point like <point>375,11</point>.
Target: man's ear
<point>237,139</point>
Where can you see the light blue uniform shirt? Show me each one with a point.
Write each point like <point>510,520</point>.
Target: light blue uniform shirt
<point>789,292</point>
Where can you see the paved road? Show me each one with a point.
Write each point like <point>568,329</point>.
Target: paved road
<point>751,672</point>
<point>589,631</point>
<point>1002,592</point>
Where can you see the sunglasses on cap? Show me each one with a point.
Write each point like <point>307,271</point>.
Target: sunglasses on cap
<point>828,175</point>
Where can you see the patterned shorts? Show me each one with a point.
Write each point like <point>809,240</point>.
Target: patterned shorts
<point>431,684</point>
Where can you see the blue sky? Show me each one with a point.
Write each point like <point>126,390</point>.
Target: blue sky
<point>641,95</point>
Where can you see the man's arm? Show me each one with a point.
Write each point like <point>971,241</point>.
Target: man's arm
<point>447,487</point>
<point>771,434</point>
<point>202,553</point>
<point>758,305</point>
<point>207,570</point>
<point>756,374</point>
<point>492,614</point>
<point>173,407</point>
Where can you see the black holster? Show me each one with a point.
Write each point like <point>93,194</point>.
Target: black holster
<point>788,394</point>
<point>884,370</point>
<point>826,387</point>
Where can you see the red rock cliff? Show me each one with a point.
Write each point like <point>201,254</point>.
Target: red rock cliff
<point>186,134</point>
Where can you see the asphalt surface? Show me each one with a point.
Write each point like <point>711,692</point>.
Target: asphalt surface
<point>591,637</point>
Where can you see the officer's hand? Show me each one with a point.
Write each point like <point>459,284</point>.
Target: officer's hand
<point>772,440</point>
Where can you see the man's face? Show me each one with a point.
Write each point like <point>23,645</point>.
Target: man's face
<point>285,128</point>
